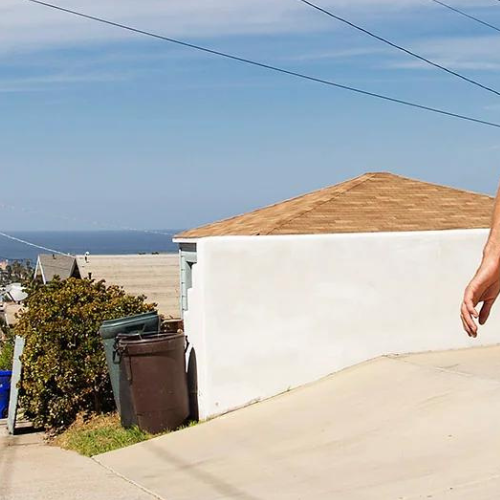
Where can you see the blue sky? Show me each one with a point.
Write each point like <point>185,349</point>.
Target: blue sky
<point>100,127</point>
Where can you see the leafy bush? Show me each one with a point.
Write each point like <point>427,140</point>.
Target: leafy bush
<point>6,347</point>
<point>64,366</point>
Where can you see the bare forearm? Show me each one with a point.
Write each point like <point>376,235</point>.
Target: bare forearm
<point>492,248</point>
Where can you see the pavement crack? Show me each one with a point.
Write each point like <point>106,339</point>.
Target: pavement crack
<point>130,481</point>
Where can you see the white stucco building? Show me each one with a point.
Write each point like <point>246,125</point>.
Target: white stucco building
<point>290,293</point>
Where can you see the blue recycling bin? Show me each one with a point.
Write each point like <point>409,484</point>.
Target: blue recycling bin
<point>5,378</point>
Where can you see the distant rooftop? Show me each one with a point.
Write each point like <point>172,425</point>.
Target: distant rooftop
<point>49,266</point>
<point>15,292</point>
<point>155,276</point>
<point>374,202</point>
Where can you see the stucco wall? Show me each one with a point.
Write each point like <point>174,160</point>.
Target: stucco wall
<point>271,313</point>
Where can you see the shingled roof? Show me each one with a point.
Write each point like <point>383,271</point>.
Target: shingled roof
<point>155,276</point>
<point>374,202</point>
<point>49,266</point>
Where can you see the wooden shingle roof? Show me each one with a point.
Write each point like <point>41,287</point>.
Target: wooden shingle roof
<point>49,266</point>
<point>374,202</point>
<point>155,276</point>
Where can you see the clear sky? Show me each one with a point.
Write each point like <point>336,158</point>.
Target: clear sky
<point>101,126</point>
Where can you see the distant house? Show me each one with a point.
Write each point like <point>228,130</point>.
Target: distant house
<point>9,311</point>
<point>290,293</point>
<point>14,293</point>
<point>155,276</point>
<point>11,302</point>
<point>48,266</point>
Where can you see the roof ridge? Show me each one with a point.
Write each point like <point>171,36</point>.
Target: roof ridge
<point>293,198</point>
<point>451,188</point>
<point>435,184</point>
<point>355,182</point>
<point>296,215</point>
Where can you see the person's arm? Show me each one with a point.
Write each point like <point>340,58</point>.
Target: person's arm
<point>485,286</point>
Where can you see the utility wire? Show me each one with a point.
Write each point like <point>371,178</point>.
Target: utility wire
<point>51,250</point>
<point>268,66</point>
<point>19,240</point>
<point>399,47</point>
<point>462,13</point>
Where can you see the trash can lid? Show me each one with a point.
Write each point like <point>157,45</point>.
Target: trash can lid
<point>146,321</point>
<point>109,322</point>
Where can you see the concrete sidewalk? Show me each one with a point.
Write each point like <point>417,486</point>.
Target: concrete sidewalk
<point>31,470</point>
<point>414,427</point>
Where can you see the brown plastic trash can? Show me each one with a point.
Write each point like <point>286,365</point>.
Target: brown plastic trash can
<point>154,366</point>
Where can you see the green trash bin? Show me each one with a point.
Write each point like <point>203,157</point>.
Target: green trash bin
<point>143,323</point>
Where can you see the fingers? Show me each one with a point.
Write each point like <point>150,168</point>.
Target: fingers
<point>467,330</point>
<point>469,304</point>
<point>468,322</point>
<point>469,313</point>
<point>485,311</point>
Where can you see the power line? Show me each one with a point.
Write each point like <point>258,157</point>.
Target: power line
<point>462,13</point>
<point>399,47</point>
<point>40,247</point>
<point>268,66</point>
<point>72,219</point>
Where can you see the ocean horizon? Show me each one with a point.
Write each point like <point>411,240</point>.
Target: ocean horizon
<point>99,242</point>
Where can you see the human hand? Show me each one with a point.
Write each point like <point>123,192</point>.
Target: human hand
<point>483,289</point>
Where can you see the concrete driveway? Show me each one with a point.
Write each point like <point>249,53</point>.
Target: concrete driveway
<point>410,427</point>
<point>32,470</point>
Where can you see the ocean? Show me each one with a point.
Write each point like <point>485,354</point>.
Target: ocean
<point>79,242</point>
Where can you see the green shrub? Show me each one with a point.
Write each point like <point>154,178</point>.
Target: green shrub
<point>6,347</point>
<point>64,366</point>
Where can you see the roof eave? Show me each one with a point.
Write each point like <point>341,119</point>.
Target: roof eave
<point>182,239</point>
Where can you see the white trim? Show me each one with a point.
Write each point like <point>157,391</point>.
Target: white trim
<point>39,267</point>
<point>373,234</point>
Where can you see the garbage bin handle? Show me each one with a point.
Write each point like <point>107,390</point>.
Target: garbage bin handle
<point>118,351</point>
<point>117,358</point>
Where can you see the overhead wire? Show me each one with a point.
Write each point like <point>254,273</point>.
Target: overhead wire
<point>409,52</point>
<point>29,243</point>
<point>268,66</point>
<point>73,219</point>
<point>465,14</point>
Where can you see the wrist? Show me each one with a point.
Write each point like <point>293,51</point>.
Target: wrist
<point>491,254</point>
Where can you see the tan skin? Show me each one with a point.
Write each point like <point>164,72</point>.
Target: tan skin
<point>484,289</point>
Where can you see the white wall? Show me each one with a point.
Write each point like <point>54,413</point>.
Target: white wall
<point>270,313</point>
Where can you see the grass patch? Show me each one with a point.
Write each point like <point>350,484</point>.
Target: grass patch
<point>99,434</point>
